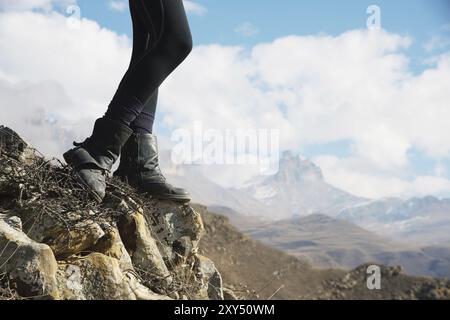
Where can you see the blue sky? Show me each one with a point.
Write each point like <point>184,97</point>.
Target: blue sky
<point>420,19</point>
<point>278,18</point>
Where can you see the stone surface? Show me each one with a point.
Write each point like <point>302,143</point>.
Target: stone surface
<point>99,277</point>
<point>31,266</point>
<point>143,247</point>
<point>210,280</point>
<point>15,147</point>
<point>130,247</point>
<point>111,245</point>
<point>229,295</point>
<point>170,222</point>
<point>78,239</point>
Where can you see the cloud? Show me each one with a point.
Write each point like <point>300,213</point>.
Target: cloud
<point>118,5</point>
<point>194,7</point>
<point>247,29</point>
<point>24,5</point>
<point>437,42</point>
<point>30,109</point>
<point>354,175</point>
<point>317,90</point>
<point>356,87</point>
<point>51,71</point>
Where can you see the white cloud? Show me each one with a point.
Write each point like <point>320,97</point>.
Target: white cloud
<point>440,40</point>
<point>440,170</point>
<point>357,177</point>
<point>24,5</point>
<point>437,42</point>
<point>194,7</point>
<point>31,110</point>
<point>118,5</point>
<point>43,58</point>
<point>355,87</point>
<point>247,29</point>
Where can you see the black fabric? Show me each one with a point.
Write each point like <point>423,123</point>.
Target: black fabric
<point>144,121</point>
<point>161,41</point>
<point>102,148</point>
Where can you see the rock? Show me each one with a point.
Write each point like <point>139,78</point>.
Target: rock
<point>169,223</point>
<point>130,247</point>
<point>142,246</point>
<point>95,276</point>
<point>32,266</point>
<point>143,293</point>
<point>79,238</point>
<point>183,246</point>
<point>229,295</point>
<point>111,245</point>
<point>210,280</point>
<point>12,145</point>
<point>14,222</point>
<point>101,277</point>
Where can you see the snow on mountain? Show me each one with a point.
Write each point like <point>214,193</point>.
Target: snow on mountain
<point>298,189</point>
<point>422,220</point>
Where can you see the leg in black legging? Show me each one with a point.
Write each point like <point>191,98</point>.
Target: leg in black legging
<point>162,41</point>
<point>143,41</point>
<point>144,121</point>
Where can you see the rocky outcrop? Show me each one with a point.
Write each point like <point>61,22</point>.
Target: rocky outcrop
<point>55,243</point>
<point>394,285</point>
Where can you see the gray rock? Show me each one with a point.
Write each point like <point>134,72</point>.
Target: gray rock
<point>31,266</point>
<point>143,248</point>
<point>170,222</point>
<point>229,295</point>
<point>209,278</point>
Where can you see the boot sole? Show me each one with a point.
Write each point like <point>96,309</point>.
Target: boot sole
<point>168,197</point>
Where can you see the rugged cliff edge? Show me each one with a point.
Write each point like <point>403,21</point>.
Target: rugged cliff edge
<point>55,243</point>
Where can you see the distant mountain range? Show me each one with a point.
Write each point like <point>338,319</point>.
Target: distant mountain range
<point>299,189</point>
<point>417,220</point>
<point>297,211</point>
<point>332,243</point>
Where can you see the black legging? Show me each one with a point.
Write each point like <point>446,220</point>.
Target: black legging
<point>161,41</point>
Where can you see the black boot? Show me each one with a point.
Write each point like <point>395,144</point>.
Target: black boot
<point>94,158</point>
<point>139,166</point>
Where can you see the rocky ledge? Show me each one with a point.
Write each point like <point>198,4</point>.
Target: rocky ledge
<point>56,243</point>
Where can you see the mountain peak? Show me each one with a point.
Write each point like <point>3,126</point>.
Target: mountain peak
<point>295,167</point>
